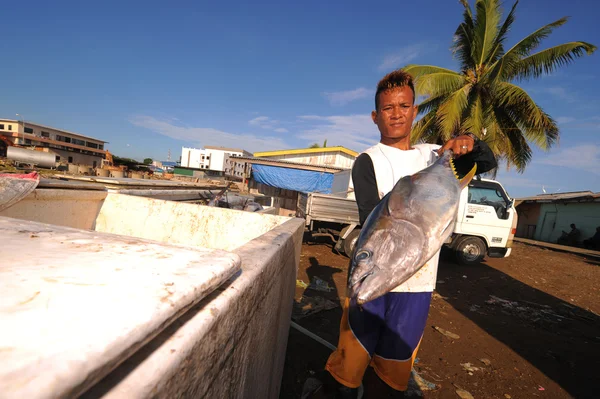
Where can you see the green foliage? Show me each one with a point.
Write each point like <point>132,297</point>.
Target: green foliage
<point>482,98</point>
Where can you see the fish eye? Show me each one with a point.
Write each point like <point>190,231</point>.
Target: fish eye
<point>362,255</point>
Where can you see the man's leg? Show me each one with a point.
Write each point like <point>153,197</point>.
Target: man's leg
<point>359,332</point>
<point>398,344</point>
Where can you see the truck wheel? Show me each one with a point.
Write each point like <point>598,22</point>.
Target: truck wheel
<point>350,242</point>
<point>470,251</point>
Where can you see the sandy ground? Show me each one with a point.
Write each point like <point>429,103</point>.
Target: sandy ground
<point>528,326</point>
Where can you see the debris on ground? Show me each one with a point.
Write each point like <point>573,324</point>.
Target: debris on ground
<point>474,308</point>
<point>422,383</point>
<point>464,394</point>
<point>435,295</point>
<point>319,284</point>
<point>469,367</point>
<point>536,313</point>
<point>309,305</point>
<point>487,362</point>
<point>446,333</point>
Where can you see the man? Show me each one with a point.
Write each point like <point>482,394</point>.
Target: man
<point>594,241</point>
<point>386,332</point>
<point>571,237</point>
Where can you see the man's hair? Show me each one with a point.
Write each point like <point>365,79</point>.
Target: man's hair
<point>397,78</point>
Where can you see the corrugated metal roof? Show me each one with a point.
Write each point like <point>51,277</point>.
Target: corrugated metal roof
<point>290,164</point>
<point>306,151</point>
<point>574,196</point>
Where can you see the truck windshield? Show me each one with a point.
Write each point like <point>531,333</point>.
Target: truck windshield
<point>489,195</point>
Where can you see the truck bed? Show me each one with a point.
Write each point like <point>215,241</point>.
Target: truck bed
<point>327,208</point>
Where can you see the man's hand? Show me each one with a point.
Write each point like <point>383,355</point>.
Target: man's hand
<point>459,145</point>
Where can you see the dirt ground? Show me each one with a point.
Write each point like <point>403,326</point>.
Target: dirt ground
<point>532,317</point>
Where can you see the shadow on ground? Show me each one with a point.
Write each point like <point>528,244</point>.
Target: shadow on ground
<point>559,339</point>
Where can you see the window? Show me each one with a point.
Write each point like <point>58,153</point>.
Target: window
<point>27,141</point>
<point>94,164</point>
<point>1,126</point>
<point>91,145</point>
<point>70,159</point>
<point>28,130</point>
<point>9,127</point>
<point>57,158</point>
<point>101,146</point>
<point>77,141</point>
<point>489,196</point>
<point>45,134</point>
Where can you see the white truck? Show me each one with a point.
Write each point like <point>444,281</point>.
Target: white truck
<point>486,221</point>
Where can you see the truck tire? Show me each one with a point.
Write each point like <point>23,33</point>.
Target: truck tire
<point>350,242</point>
<point>470,251</point>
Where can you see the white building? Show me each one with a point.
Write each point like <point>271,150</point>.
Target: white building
<point>340,157</point>
<point>210,158</point>
<point>67,147</point>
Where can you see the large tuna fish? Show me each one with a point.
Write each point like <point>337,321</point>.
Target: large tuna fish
<point>406,228</point>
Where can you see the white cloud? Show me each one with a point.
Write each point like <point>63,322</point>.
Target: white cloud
<point>265,122</point>
<point>401,57</point>
<point>258,120</point>
<point>564,119</point>
<point>201,136</point>
<point>344,97</point>
<point>584,157</point>
<point>356,132</point>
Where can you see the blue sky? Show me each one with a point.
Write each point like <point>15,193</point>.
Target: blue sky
<point>149,77</point>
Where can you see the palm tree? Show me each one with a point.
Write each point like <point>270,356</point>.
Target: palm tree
<point>483,98</point>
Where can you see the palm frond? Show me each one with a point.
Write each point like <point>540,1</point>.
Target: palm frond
<point>416,71</point>
<point>523,48</point>
<point>487,21</point>
<point>498,50</point>
<point>474,121</point>
<point>517,150</point>
<point>439,83</point>
<point>547,61</point>
<point>538,127</point>
<point>431,103</point>
<point>451,110</point>
<point>462,47</point>
<point>425,130</point>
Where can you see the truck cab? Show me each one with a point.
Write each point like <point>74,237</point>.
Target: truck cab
<point>486,222</point>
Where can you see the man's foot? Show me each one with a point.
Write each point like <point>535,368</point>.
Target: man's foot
<point>323,385</point>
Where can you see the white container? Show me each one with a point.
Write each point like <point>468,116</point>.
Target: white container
<point>237,334</point>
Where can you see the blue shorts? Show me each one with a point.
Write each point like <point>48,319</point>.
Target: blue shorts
<point>384,333</point>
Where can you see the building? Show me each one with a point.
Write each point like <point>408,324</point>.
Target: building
<point>68,147</point>
<point>237,168</point>
<point>545,217</point>
<point>340,157</point>
<point>210,158</point>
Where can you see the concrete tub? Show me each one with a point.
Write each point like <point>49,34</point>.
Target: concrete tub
<point>232,343</point>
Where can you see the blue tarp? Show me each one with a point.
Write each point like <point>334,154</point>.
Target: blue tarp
<point>293,179</point>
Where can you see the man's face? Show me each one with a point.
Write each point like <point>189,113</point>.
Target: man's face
<point>395,115</point>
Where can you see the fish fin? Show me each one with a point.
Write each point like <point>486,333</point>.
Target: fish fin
<point>467,178</point>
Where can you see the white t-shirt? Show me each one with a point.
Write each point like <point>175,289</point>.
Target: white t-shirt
<point>390,165</point>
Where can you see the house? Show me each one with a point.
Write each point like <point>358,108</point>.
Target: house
<point>67,147</point>
<point>339,156</point>
<point>544,217</point>
<point>209,159</point>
